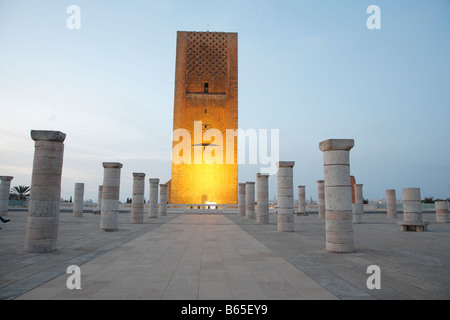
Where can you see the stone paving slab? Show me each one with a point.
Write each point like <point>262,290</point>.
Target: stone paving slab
<point>204,257</point>
<point>225,257</point>
<point>79,240</point>
<point>414,265</point>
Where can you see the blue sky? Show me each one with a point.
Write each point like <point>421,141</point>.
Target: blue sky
<point>311,69</point>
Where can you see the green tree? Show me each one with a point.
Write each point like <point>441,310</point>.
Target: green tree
<point>19,193</point>
<point>428,200</point>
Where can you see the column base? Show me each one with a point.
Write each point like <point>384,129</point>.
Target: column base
<point>340,247</point>
<point>417,226</point>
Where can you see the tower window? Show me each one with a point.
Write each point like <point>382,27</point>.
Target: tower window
<point>206,87</point>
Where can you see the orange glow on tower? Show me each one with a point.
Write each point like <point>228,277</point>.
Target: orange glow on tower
<point>206,91</point>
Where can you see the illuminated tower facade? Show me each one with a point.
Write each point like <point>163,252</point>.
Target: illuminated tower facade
<point>206,113</point>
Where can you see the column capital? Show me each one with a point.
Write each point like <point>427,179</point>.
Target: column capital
<point>285,164</point>
<point>109,165</point>
<point>154,180</point>
<point>336,144</point>
<point>250,182</point>
<point>265,175</point>
<point>138,175</point>
<point>6,178</point>
<point>45,135</point>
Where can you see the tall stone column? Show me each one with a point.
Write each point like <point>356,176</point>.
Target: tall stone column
<point>249,200</point>
<point>412,211</point>
<point>391,204</point>
<point>78,199</point>
<point>285,196</point>
<point>109,220</point>
<point>412,206</point>
<point>137,204</point>
<point>442,211</point>
<point>358,206</point>
<point>162,210</point>
<point>153,196</point>
<point>241,199</point>
<point>43,207</point>
<point>321,198</point>
<point>301,201</point>
<point>338,195</point>
<point>5,186</point>
<point>98,210</point>
<point>262,198</point>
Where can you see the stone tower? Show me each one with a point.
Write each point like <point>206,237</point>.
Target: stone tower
<point>206,112</point>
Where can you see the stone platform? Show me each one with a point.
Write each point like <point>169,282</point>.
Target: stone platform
<point>224,256</point>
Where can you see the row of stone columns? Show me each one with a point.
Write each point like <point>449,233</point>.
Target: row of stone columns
<point>43,210</point>
<point>137,207</point>
<point>246,200</point>
<point>358,205</point>
<point>246,197</point>
<point>413,212</point>
<point>111,182</point>
<point>108,198</point>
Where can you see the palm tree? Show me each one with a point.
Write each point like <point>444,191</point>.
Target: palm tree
<point>20,193</point>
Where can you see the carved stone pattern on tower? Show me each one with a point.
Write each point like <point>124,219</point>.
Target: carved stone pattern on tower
<point>207,57</point>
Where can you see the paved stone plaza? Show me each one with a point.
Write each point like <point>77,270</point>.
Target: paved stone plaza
<point>209,257</point>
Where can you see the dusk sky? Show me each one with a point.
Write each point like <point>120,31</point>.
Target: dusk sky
<point>311,69</point>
